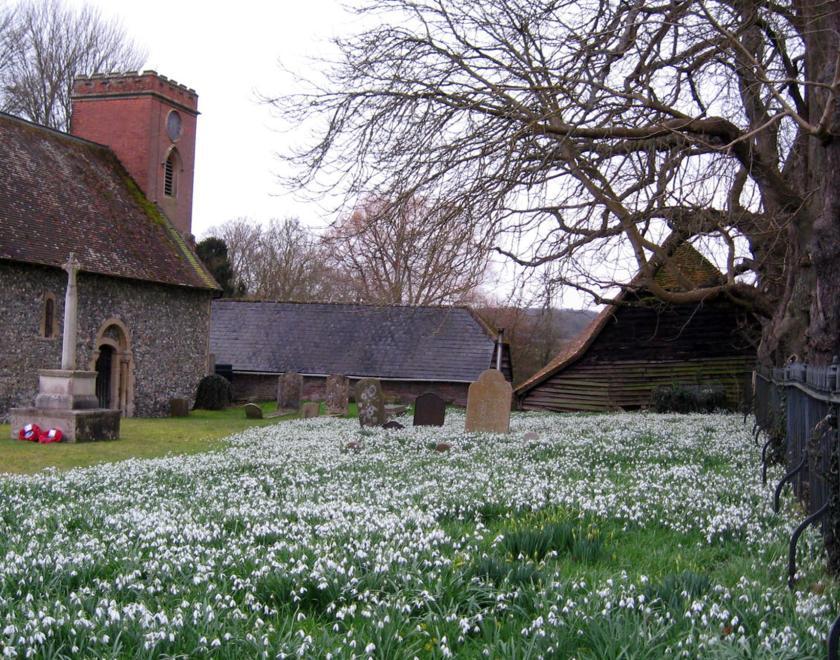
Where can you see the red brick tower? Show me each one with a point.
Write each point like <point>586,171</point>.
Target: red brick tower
<point>149,121</point>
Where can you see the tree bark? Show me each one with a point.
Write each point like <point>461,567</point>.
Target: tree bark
<point>822,27</point>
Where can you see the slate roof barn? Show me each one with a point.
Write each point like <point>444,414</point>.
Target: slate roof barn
<point>401,344</point>
<point>629,350</point>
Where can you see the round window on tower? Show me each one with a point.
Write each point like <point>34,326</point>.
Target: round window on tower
<point>173,125</point>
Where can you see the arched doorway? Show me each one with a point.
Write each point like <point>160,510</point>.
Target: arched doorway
<point>113,364</point>
<point>104,366</point>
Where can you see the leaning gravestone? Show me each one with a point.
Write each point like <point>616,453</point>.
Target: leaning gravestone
<point>289,391</point>
<point>488,403</point>
<point>370,402</point>
<point>429,410</point>
<point>253,411</point>
<point>338,393</point>
<point>310,409</point>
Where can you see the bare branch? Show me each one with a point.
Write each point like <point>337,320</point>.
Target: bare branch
<point>49,45</point>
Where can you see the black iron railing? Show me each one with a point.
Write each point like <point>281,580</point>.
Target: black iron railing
<point>797,408</point>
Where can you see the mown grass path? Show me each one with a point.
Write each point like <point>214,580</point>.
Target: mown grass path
<point>609,536</point>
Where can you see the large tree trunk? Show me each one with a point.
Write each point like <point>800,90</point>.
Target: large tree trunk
<point>804,272</point>
<point>822,27</point>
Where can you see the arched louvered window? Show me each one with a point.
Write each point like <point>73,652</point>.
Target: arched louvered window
<point>170,174</point>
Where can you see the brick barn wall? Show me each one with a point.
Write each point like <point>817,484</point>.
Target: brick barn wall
<point>252,387</point>
<point>168,328</point>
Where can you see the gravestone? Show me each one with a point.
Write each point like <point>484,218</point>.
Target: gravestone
<point>338,394</point>
<point>392,425</point>
<point>289,391</point>
<point>394,411</point>
<point>310,409</point>
<point>488,403</point>
<point>370,402</point>
<point>429,410</point>
<point>179,407</point>
<point>253,411</point>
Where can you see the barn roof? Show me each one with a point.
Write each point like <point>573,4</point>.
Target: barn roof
<point>61,194</point>
<point>691,264</point>
<point>447,344</point>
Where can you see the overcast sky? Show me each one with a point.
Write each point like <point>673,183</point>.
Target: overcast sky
<point>228,53</point>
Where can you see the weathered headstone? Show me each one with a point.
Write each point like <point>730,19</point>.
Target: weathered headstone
<point>179,407</point>
<point>289,391</point>
<point>338,393</point>
<point>429,410</point>
<point>370,402</point>
<point>488,403</point>
<point>392,425</point>
<point>394,411</point>
<point>253,411</point>
<point>310,409</point>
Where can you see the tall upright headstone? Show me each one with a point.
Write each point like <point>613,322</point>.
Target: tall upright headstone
<point>370,402</point>
<point>488,403</point>
<point>337,395</point>
<point>429,410</point>
<point>289,391</point>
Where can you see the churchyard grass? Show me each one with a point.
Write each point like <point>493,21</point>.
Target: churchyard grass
<point>140,438</point>
<point>607,536</point>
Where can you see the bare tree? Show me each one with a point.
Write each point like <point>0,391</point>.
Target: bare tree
<point>241,237</point>
<point>52,44</point>
<point>411,252</point>
<point>583,127</point>
<point>7,16</point>
<point>280,261</point>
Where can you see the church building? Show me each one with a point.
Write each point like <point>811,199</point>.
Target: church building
<point>116,192</point>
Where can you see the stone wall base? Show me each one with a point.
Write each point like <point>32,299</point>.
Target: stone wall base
<point>76,425</point>
<point>257,387</point>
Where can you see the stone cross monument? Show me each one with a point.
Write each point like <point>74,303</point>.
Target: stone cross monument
<point>67,397</point>
<point>71,298</point>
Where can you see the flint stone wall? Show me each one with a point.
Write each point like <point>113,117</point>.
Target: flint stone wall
<point>168,333</point>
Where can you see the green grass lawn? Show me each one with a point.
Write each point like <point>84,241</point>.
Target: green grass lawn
<point>140,438</point>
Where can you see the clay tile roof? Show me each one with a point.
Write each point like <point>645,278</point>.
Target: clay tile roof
<point>61,194</point>
<point>392,342</point>
<point>693,265</point>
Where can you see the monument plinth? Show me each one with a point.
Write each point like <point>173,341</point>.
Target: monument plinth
<point>67,397</point>
<point>62,389</point>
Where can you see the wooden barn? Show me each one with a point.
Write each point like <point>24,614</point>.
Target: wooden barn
<point>640,343</point>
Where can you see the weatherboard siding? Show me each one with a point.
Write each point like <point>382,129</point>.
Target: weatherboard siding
<point>684,332</point>
<point>643,347</point>
<point>594,386</point>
